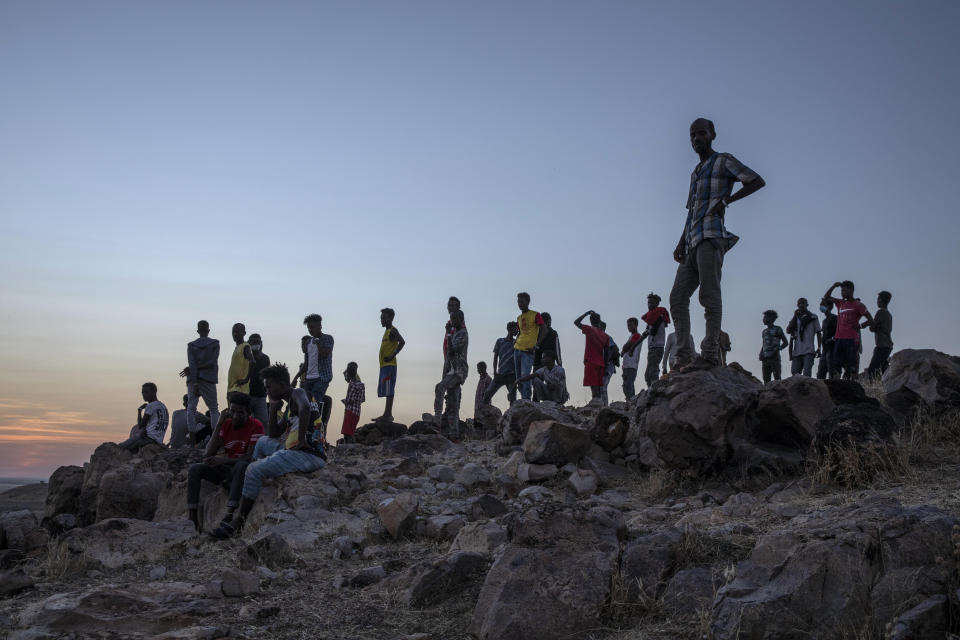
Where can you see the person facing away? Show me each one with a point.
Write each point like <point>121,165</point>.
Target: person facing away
<point>829,330</point>
<point>594,362</point>
<point>773,341</point>
<point>390,345</point>
<point>258,392</point>
<point>316,372</point>
<point>483,385</point>
<point>882,327</point>
<point>504,372</point>
<point>670,351</point>
<point>631,358</point>
<point>447,393</point>
<point>241,362</point>
<point>806,339</point>
<point>356,395</point>
<point>705,240</point>
<point>226,458</point>
<point>179,431</point>
<point>656,318</point>
<point>152,419</point>
<point>201,372</point>
<point>294,443</point>
<point>550,342</point>
<point>531,335</point>
<point>846,341</point>
<point>550,380</point>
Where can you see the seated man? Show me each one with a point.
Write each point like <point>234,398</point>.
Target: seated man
<point>550,380</point>
<point>180,435</point>
<point>152,419</point>
<point>299,430</point>
<point>236,435</point>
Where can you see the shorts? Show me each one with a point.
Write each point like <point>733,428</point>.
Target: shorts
<point>387,382</point>
<point>593,375</point>
<point>350,421</point>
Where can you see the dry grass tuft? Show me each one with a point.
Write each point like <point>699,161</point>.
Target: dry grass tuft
<point>60,562</point>
<point>851,465</point>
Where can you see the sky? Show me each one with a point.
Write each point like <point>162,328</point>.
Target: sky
<point>255,162</point>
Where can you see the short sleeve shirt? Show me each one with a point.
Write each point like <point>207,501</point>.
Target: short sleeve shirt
<point>504,350</point>
<point>771,337</point>
<point>849,313</point>
<point>157,420</point>
<point>530,323</point>
<point>632,361</point>
<point>596,342</point>
<point>236,442</point>
<point>806,342</point>
<point>320,368</point>
<point>709,182</point>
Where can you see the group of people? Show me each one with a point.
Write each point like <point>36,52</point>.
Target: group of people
<point>273,425</point>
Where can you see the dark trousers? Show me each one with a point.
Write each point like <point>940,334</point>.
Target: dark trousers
<point>136,442</point>
<point>772,367</point>
<point>654,356</point>
<point>823,369</point>
<point>879,362</point>
<point>701,268</point>
<point>845,358</point>
<point>629,378</point>
<point>502,380</point>
<point>226,475</point>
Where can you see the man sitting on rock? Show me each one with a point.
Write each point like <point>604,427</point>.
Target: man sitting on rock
<point>152,419</point>
<point>297,427</point>
<point>236,436</point>
<point>550,380</point>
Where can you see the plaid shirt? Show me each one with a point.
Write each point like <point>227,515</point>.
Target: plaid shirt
<point>710,182</point>
<point>482,385</point>
<point>356,395</point>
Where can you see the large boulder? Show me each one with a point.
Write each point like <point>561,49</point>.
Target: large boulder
<point>611,426</point>
<point>836,573</point>
<point>922,379</point>
<point>551,442</point>
<point>63,491</point>
<point>555,578</point>
<point>431,582</point>
<point>787,411</point>
<point>486,421</point>
<point>522,413</point>
<point>124,493</point>
<point>20,530</point>
<point>376,432</point>
<point>120,542</point>
<point>398,514</point>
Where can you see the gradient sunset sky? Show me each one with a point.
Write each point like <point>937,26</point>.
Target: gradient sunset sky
<point>251,161</point>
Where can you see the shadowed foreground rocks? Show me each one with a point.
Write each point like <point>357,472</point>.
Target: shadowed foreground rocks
<point>692,504</point>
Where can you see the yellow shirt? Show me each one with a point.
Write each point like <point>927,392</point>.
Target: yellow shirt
<point>530,323</point>
<point>239,369</point>
<point>388,346</point>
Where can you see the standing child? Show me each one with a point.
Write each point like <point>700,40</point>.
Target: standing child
<point>656,318</point>
<point>390,345</point>
<point>631,358</point>
<point>483,384</point>
<point>774,341</point>
<point>356,395</point>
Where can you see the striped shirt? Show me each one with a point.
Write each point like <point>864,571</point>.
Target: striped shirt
<point>709,182</point>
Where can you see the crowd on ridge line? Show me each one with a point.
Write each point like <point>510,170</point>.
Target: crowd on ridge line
<point>273,427</point>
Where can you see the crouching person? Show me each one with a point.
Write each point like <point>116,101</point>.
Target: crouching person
<point>550,380</point>
<point>296,435</point>
<point>236,437</point>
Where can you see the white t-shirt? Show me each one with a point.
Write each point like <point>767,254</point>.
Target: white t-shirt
<point>313,360</point>
<point>632,361</point>
<point>158,418</point>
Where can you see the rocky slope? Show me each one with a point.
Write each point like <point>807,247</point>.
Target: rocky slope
<point>712,506</point>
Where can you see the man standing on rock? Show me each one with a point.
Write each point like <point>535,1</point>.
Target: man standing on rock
<point>803,328</point>
<point>241,363</point>
<point>455,371</point>
<point>504,372</point>
<point>152,419</point>
<point>390,345</point>
<point>237,436</point>
<point>201,373</point>
<point>631,358</point>
<point>453,304</point>
<point>297,429</point>
<point>258,392</point>
<point>705,240</point>
<point>829,331</point>
<point>846,343</point>
<point>594,363</point>
<point>532,332</point>
<point>656,318</point>
<point>316,372</point>
<point>882,327</point>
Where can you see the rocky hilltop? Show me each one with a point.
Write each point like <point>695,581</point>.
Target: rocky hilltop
<point>711,506</point>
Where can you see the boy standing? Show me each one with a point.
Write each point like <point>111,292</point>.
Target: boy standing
<point>390,345</point>
<point>829,330</point>
<point>258,392</point>
<point>846,344</point>
<point>241,362</point>
<point>356,395</point>
<point>656,318</point>
<point>882,327</point>
<point>631,358</point>
<point>504,372</point>
<point>594,364</point>
<point>483,384</point>
<point>773,342</point>
<point>531,336</point>
<point>803,328</point>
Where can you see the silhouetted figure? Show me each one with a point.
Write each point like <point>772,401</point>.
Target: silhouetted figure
<point>356,396</point>
<point>390,345</point>
<point>316,372</point>
<point>631,358</point>
<point>670,351</point>
<point>505,372</point>
<point>550,381</point>
<point>447,393</point>
<point>483,385</point>
<point>550,342</point>
<point>804,330</point>
<point>611,356</point>
<point>179,430</point>
<point>882,327</point>
<point>773,341</point>
<point>235,436</point>
<point>656,318</point>
<point>594,362</point>
<point>846,346</point>
<point>453,304</point>
<point>201,372</point>
<point>705,239</point>
<point>152,420</point>
<point>258,392</point>
<point>725,347</point>
<point>241,362</point>
<point>829,330</point>
<point>532,331</point>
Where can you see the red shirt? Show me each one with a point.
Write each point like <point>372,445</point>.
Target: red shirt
<point>650,317</point>
<point>849,313</point>
<point>236,442</point>
<point>597,341</point>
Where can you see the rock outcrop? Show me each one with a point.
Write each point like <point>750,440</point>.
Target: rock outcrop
<point>922,380</point>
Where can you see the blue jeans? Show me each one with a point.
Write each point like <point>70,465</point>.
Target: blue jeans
<point>317,388</point>
<point>523,364</point>
<point>279,463</point>
<point>265,447</point>
<point>629,378</point>
<point>258,406</point>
